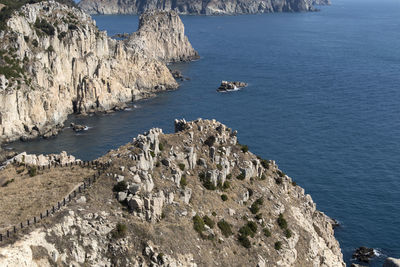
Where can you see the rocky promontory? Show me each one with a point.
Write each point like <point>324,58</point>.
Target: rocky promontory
<point>197,7</point>
<point>192,198</point>
<point>55,62</point>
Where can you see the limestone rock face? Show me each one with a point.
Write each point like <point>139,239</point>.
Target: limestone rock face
<point>161,36</point>
<point>154,217</point>
<point>68,66</point>
<point>198,7</point>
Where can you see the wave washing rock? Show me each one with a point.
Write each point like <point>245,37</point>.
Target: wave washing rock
<point>60,63</point>
<point>192,198</point>
<point>198,7</point>
<point>230,86</point>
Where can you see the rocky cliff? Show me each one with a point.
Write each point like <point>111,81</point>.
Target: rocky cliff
<point>193,198</point>
<point>196,7</point>
<point>161,35</point>
<point>54,61</point>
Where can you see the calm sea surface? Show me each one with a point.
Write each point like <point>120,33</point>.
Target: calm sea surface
<point>323,101</point>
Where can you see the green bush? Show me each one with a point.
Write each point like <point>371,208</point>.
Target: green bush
<point>8,182</point>
<point>281,173</point>
<point>207,182</point>
<point>267,233</point>
<point>253,226</point>
<point>246,231</point>
<point>254,208</point>
<point>32,171</point>
<point>160,147</point>
<point>278,180</point>
<point>208,221</point>
<point>226,185</point>
<point>219,167</point>
<point>288,233</point>
<point>258,217</point>
<point>50,49</point>
<point>282,222</point>
<point>120,186</point>
<point>229,176</point>
<point>294,183</point>
<point>214,213</point>
<point>181,166</point>
<point>225,228</point>
<point>244,148</point>
<point>152,154</point>
<point>119,231</point>
<point>198,224</point>
<point>224,197</point>
<point>44,26</point>
<point>259,201</point>
<point>183,181</point>
<point>244,241</point>
<point>278,245</point>
<point>265,163</point>
<point>241,176</point>
<point>210,141</point>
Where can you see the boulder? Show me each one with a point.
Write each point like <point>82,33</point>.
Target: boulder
<point>78,127</point>
<point>230,86</point>
<point>364,254</point>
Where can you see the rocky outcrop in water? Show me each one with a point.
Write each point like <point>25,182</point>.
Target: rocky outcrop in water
<point>193,198</point>
<point>161,36</point>
<point>230,86</point>
<point>197,7</point>
<point>56,62</point>
<point>391,262</point>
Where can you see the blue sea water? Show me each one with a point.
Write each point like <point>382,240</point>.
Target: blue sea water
<point>323,101</point>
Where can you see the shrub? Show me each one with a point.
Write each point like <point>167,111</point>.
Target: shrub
<point>202,176</point>
<point>152,154</point>
<point>214,213</point>
<point>278,180</point>
<point>181,166</point>
<point>288,233</point>
<point>265,163</point>
<point>259,201</point>
<point>35,43</point>
<point>32,171</point>
<point>26,38</point>
<point>224,197</point>
<point>255,208</point>
<point>241,176</point>
<point>183,182</point>
<point>246,231</point>
<point>225,228</point>
<point>62,35</point>
<point>278,245</point>
<point>210,141</point>
<point>267,233</point>
<point>50,49</point>
<point>250,191</point>
<point>160,147</point>
<point>263,177</point>
<point>44,26</point>
<point>258,216</point>
<point>120,186</point>
<point>281,173</point>
<point>252,226</point>
<point>229,176</point>
<point>226,185</point>
<point>72,27</point>
<point>119,231</point>
<point>8,182</point>
<point>244,148</point>
<point>219,167</point>
<point>207,183</point>
<point>282,222</point>
<point>208,221</point>
<point>198,224</point>
<point>294,183</point>
<point>244,241</point>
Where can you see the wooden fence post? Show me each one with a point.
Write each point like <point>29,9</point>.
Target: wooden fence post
<point>28,222</point>
<point>22,226</point>
<point>34,219</point>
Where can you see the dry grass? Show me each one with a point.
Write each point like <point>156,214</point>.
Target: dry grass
<point>25,197</point>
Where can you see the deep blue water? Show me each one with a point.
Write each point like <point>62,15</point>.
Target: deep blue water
<point>323,101</point>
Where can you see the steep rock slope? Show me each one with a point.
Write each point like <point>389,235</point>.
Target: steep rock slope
<point>55,62</point>
<point>161,35</point>
<point>196,7</point>
<point>193,198</point>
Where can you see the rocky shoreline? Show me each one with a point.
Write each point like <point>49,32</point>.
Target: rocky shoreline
<point>62,64</point>
<point>196,7</point>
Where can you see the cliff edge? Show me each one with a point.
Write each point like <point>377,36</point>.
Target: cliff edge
<point>193,198</point>
<point>55,61</point>
<point>197,7</point>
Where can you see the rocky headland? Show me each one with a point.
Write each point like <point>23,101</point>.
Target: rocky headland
<point>196,7</point>
<point>193,198</point>
<point>55,61</point>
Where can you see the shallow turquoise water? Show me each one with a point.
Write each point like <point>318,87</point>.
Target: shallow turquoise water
<point>323,101</point>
